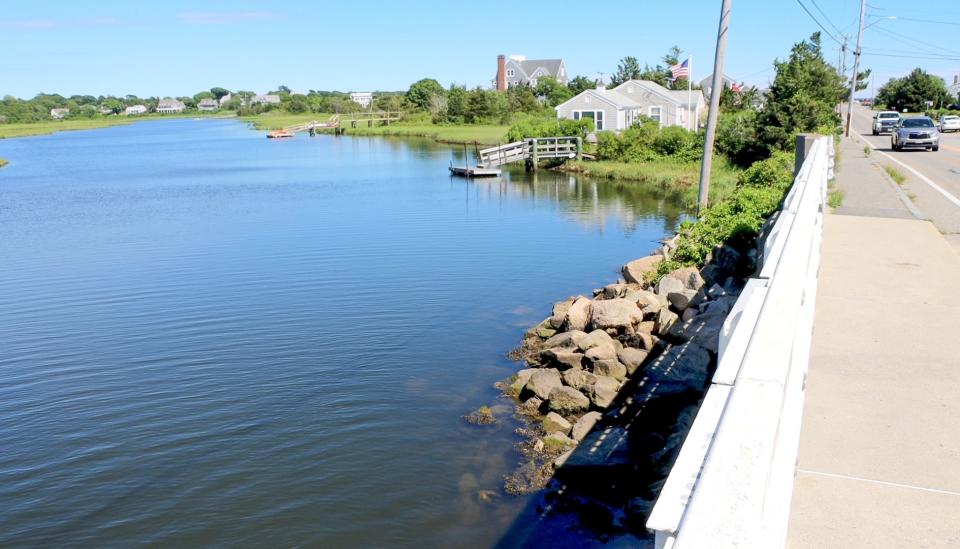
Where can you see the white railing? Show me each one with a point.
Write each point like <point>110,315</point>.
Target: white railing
<point>732,483</point>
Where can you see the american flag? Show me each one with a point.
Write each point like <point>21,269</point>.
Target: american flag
<point>681,70</point>
<point>736,88</point>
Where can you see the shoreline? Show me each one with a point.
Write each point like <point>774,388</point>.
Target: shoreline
<point>33,129</point>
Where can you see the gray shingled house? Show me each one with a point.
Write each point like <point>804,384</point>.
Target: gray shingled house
<point>616,109</point>
<point>518,70</point>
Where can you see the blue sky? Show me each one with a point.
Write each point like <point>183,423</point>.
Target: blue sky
<point>180,47</point>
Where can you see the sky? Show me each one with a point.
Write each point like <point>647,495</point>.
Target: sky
<point>175,48</point>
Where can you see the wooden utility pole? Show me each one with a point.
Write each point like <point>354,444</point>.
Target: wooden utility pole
<point>716,89</point>
<point>856,67</point>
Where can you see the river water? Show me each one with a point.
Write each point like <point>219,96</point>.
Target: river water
<point>208,337</point>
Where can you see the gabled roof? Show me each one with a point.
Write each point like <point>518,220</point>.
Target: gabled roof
<point>529,66</point>
<point>611,97</point>
<point>652,87</point>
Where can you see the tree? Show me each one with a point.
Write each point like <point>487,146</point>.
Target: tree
<point>297,103</point>
<point>628,69</point>
<point>552,91</point>
<point>201,96</point>
<point>580,84</point>
<point>911,92</point>
<point>219,92</point>
<point>803,97</point>
<point>421,93</point>
<point>863,80</point>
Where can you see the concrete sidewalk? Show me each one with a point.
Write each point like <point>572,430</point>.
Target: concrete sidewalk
<point>879,460</point>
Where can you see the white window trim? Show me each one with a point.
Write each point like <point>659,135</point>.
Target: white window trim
<point>659,118</point>
<point>511,73</point>
<point>578,114</point>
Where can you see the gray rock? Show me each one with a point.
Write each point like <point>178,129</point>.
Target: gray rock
<point>636,269</point>
<point>610,368</point>
<point>647,326</point>
<point>560,312</point>
<point>681,299</point>
<point>555,423</point>
<point>665,320</point>
<point>716,292</point>
<point>566,340</point>
<point>542,382</point>
<point>568,401</point>
<point>669,284</point>
<point>578,379</point>
<point>601,352</point>
<point>689,276</point>
<point>557,442</point>
<point>632,359</point>
<point>562,458</point>
<point>688,314</point>
<point>603,391</point>
<point>561,358</point>
<point>611,291</point>
<point>687,364</point>
<point>703,329</point>
<point>597,338</point>
<point>616,313</point>
<point>522,377</point>
<point>532,405</point>
<point>583,426</point>
<point>578,315</point>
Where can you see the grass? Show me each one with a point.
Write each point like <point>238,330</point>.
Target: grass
<point>835,197</point>
<point>866,151</point>
<point>53,126</point>
<point>464,133</point>
<point>895,174</point>
<point>3,162</point>
<point>672,176</point>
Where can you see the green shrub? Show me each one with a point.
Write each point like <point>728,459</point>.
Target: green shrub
<point>549,127</point>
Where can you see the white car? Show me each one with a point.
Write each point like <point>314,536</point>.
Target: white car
<point>949,123</point>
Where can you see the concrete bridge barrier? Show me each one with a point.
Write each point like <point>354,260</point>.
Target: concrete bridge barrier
<point>732,483</point>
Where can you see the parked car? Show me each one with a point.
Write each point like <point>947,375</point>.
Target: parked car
<point>885,121</point>
<point>918,131</point>
<point>949,123</point>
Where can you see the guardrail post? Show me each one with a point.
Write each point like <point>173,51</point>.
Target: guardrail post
<point>536,154</point>
<point>804,142</point>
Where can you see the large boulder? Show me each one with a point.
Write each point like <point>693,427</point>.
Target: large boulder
<point>650,302</point>
<point>557,443</point>
<point>689,276</point>
<point>617,289</point>
<point>568,401</point>
<point>555,423</point>
<point>722,262</point>
<point>561,358</point>
<point>578,315</point>
<point>583,425</point>
<point>566,340</point>
<point>687,364</point>
<point>636,270</point>
<point>542,382</point>
<point>681,300</point>
<point>603,391</point>
<point>669,284</point>
<point>598,338</point>
<point>610,368</point>
<point>560,312</point>
<point>617,313</point>
<point>601,352</point>
<point>578,379</point>
<point>632,359</point>
<point>703,329</point>
<point>665,320</point>
<point>520,381</point>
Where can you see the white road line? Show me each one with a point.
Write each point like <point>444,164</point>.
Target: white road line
<point>925,179</point>
<point>882,482</point>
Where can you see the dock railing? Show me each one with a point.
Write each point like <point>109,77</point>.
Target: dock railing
<point>534,148</point>
<point>732,483</point>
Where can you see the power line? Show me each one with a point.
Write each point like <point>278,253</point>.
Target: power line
<point>951,23</point>
<point>905,56</point>
<point>926,46</point>
<point>815,20</point>
<point>814,2</point>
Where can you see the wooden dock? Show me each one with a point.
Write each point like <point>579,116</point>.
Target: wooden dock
<point>339,122</point>
<point>474,171</point>
<point>531,151</point>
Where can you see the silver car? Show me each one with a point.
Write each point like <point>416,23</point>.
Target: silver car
<point>918,131</point>
<point>949,123</point>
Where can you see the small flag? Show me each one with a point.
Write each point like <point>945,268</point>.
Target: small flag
<point>736,88</point>
<point>681,70</point>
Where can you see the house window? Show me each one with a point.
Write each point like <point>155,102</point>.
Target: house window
<point>596,116</point>
<point>511,73</point>
<point>533,82</point>
<point>656,114</point>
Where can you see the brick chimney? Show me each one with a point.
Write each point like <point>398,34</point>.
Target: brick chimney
<point>501,73</point>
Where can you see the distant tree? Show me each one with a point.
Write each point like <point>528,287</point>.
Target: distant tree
<point>421,93</point>
<point>456,104</point>
<point>391,102</point>
<point>203,95</point>
<point>115,105</point>
<point>913,91</point>
<point>580,84</point>
<point>283,90</point>
<point>522,99</point>
<point>480,106</point>
<point>296,103</point>
<point>863,80</point>
<point>550,90</point>
<point>628,69</point>
<point>219,92</point>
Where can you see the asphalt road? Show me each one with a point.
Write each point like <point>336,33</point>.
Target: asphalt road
<point>933,178</point>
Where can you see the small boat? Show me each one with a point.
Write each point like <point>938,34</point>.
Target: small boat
<point>279,134</point>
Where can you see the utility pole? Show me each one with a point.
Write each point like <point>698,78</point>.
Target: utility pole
<point>856,66</point>
<point>716,89</point>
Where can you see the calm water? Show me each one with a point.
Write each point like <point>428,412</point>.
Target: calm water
<point>209,337</point>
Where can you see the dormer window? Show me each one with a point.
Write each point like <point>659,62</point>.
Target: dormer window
<point>511,73</point>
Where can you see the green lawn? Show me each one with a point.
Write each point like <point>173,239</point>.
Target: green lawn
<point>672,176</point>
<point>466,133</point>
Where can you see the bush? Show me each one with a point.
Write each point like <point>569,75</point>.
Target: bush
<point>645,141</point>
<point>737,138</point>
<point>549,127</point>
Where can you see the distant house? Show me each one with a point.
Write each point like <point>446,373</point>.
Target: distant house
<point>59,113</point>
<point>616,109</point>
<point>517,70</point>
<point>708,81</point>
<point>134,110</point>
<point>265,99</point>
<point>170,106</point>
<point>208,105</point>
<point>954,88</point>
<point>362,98</point>
<point>225,99</point>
